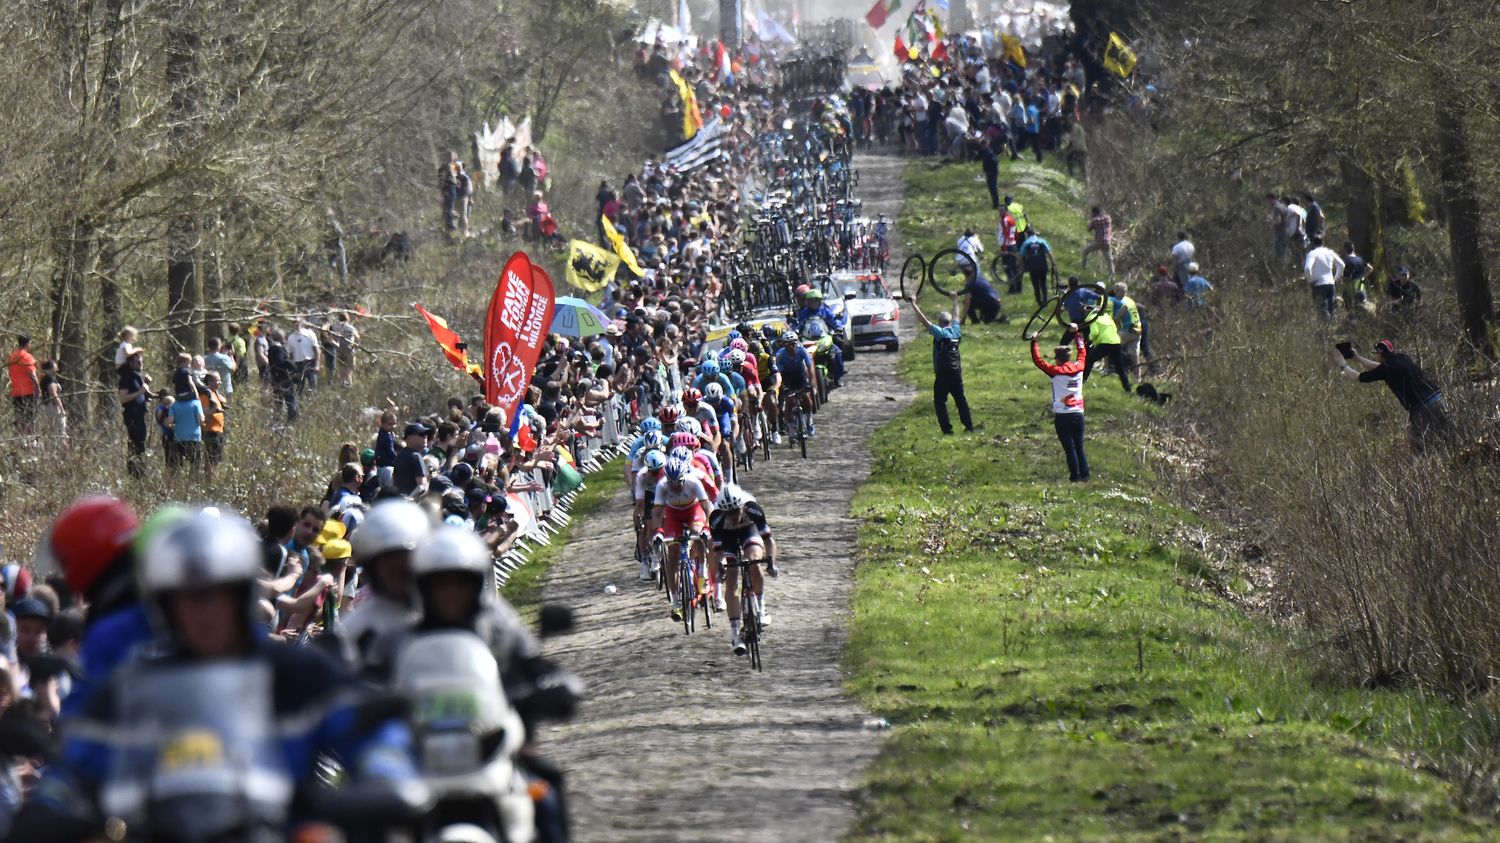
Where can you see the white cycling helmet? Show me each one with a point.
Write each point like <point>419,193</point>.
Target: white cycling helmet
<point>737,358</point>
<point>391,525</point>
<point>714,392</point>
<point>655,459</point>
<point>451,548</point>
<point>732,497</point>
<point>688,424</point>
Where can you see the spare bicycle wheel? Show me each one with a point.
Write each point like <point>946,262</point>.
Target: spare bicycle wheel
<point>906,272</point>
<point>1041,318</point>
<point>960,259</point>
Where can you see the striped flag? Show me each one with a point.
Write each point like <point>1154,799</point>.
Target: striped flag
<point>703,148</point>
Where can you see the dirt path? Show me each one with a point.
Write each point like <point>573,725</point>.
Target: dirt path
<point>678,732</point>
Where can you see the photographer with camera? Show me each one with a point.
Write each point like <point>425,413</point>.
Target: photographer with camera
<point>1418,393</point>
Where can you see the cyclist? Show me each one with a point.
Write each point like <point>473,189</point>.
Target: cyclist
<point>728,421</point>
<point>693,444</point>
<point>644,494</point>
<point>797,376</point>
<point>754,397</point>
<point>706,416</point>
<point>709,371</point>
<point>651,437</point>
<point>738,525</point>
<point>216,724</point>
<point>770,381</point>
<point>684,501</point>
<point>657,441</point>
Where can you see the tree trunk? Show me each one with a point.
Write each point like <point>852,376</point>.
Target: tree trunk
<point>1461,198</point>
<point>111,312</point>
<point>213,281</point>
<point>72,248</point>
<point>183,299</point>
<point>1366,215</point>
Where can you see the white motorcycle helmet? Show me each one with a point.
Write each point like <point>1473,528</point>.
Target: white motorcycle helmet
<point>451,548</point>
<point>391,525</point>
<point>203,549</point>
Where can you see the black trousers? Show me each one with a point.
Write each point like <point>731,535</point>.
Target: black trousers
<point>1039,284</point>
<point>1069,428</point>
<point>1116,359</point>
<point>945,384</point>
<point>992,181</point>
<point>984,311</point>
<point>135,430</point>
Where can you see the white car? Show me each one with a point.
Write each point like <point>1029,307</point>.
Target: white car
<point>869,308</point>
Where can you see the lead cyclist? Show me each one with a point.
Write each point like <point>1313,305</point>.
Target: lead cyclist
<point>738,525</point>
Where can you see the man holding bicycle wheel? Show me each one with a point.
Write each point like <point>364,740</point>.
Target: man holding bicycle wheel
<point>738,526</point>
<point>947,368</point>
<point>1067,399</point>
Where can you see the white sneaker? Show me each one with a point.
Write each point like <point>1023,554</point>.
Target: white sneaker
<point>719,603</point>
<point>736,645</point>
<point>776,439</point>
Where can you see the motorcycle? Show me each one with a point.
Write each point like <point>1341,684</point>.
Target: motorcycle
<point>467,737</point>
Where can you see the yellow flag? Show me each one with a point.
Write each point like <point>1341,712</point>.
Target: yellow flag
<point>692,118</point>
<point>590,268</point>
<point>622,248</point>
<point>1013,50</point>
<point>1118,57</point>
<point>937,25</point>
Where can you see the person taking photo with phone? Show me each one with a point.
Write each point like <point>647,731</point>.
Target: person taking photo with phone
<point>1418,393</point>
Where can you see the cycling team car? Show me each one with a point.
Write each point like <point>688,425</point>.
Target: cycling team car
<point>873,315</point>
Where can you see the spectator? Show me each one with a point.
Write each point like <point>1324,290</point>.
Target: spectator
<point>970,245</point>
<point>303,351</point>
<point>54,415</point>
<point>1315,223</point>
<point>1296,224</point>
<point>1404,294</point>
<point>213,424</point>
<point>24,386</point>
<point>1102,228</point>
<point>127,338</point>
<point>1078,150</point>
<point>408,474</point>
<point>463,186</point>
<point>1323,268</point>
<point>346,338</point>
<point>1132,330</point>
<point>187,432</point>
<point>1078,299</point>
<point>981,302</point>
<point>281,375</point>
<point>1197,288</point>
<point>163,415</point>
<point>237,350</point>
<point>133,392</point>
<point>1164,291</point>
<point>1415,389</point>
<point>222,364</point>
<point>947,367</point>
<point>989,161</point>
<point>1354,278</point>
<point>1183,253</point>
<point>1010,251</point>
<point>448,188</point>
<point>1278,223</point>
<point>1103,343</point>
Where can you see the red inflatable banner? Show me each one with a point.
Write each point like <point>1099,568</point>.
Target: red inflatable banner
<point>514,331</point>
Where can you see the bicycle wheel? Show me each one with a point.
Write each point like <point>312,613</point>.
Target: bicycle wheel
<point>1040,319</point>
<point>685,591</point>
<point>960,259</point>
<point>750,628</point>
<point>919,277</point>
<point>802,432</point>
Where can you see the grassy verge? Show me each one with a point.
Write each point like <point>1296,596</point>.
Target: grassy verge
<point>1047,655</point>
<point>524,588</point>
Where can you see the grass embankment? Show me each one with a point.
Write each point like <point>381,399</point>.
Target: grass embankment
<point>1048,655</point>
<point>524,588</point>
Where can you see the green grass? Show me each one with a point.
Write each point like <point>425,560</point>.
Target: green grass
<point>1050,657</point>
<point>524,588</point>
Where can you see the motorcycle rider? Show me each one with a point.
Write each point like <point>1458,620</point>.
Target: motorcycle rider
<point>387,601</point>
<point>212,730</point>
<point>92,545</point>
<point>451,570</point>
<point>815,309</point>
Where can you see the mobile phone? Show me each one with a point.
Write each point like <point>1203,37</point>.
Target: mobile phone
<point>1345,348</point>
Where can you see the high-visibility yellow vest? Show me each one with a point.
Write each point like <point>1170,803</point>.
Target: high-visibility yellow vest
<point>1019,213</point>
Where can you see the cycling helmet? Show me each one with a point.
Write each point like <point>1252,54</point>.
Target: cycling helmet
<point>390,526</point>
<point>689,425</point>
<point>732,497</point>
<point>16,582</point>
<point>655,459</point>
<point>709,366</point>
<point>202,549</point>
<point>803,289</point>
<point>86,540</point>
<point>684,440</point>
<point>676,470</point>
<point>669,414</point>
<point>769,333</point>
<point>733,336</point>
<point>739,345</point>
<point>714,392</point>
<point>691,396</point>
<point>451,548</point>
<point>649,424</point>
<point>789,336</point>
<point>737,357</point>
<point>813,330</point>
<point>655,440</point>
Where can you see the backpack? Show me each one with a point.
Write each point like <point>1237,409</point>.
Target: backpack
<point>947,358</point>
<point>1034,255</point>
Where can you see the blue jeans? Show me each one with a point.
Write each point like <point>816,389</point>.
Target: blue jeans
<point>1326,297</point>
<point>1070,434</point>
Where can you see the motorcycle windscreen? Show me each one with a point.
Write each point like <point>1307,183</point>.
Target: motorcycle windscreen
<point>196,757</point>
<point>454,685</point>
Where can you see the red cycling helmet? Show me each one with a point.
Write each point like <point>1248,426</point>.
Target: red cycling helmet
<point>86,539</point>
<point>668,415</point>
<point>802,289</point>
<point>692,395</point>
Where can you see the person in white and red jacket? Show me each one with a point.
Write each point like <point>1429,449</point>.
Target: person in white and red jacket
<point>1067,399</point>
